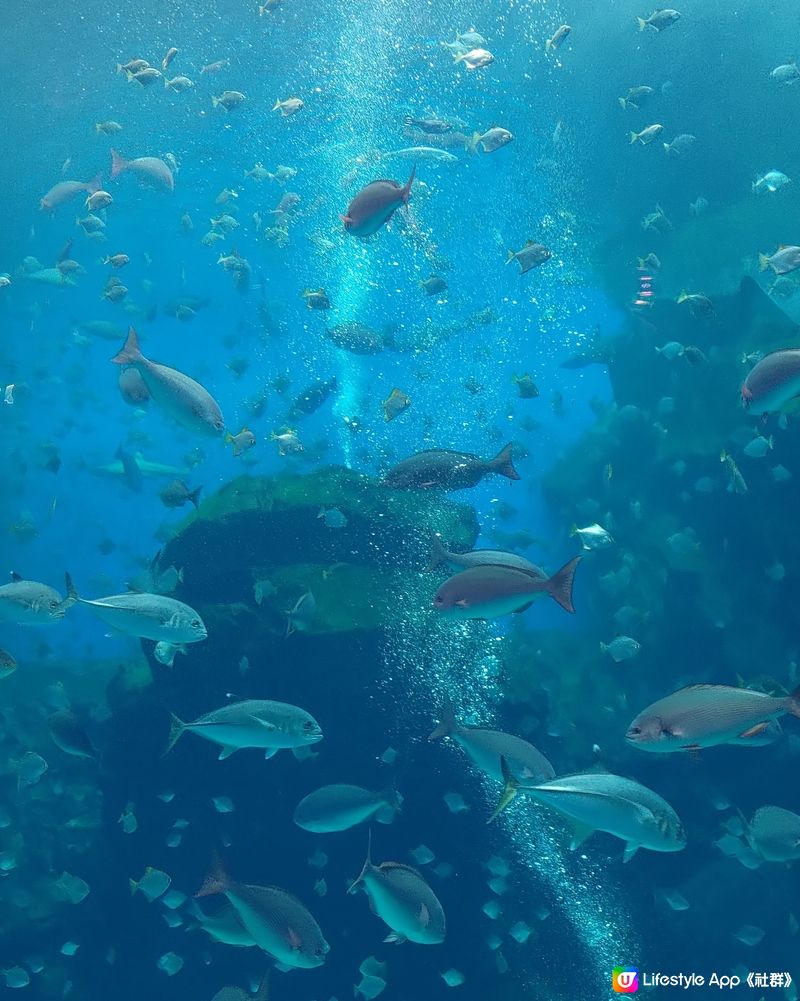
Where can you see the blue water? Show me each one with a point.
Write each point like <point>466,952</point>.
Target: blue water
<point>571,180</point>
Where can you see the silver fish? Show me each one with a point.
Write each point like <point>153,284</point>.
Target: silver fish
<point>29,603</point>
<point>271,726</point>
<point>774,834</point>
<point>149,616</point>
<point>707,715</point>
<point>476,557</point>
<point>340,807</point>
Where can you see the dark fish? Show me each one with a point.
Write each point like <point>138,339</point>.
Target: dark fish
<point>487,592</point>
<point>443,469</point>
<point>178,493</point>
<point>130,470</point>
<point>68,734</point>
<point>773,382</point>
<point>312,397</point>
<point>526,386</point>
<point>434,285</point>
<point>375,205</point>
<point>530,256</point>
<point>433,126</point>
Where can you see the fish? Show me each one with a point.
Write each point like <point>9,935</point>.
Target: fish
<point>475,557</point>
<point>705,716</point>
<point>601,801</point>
<point>557,39</point>
<point>332,517</point>
<point>402,899</point>
<point>29,603</point>
<point>427,154</point>
<point>786,73</point>
<point>214,67</point>
<point>433,126</point>
<point>177,493</point>
<point>493,139</point>
<point>475,59</point>
<point>300,617</point>
<point>358,338</point>
<point>266,725</point>
<point>117,261</point>
<point>736,482</point>
<point>153,884</point>
<point>659,19</point>
<point>488,591</point>
<point>698,303</point>
<point>8,664</point>
<point>773,384</point>
<point>647,135</point>
<point>150,170</point>
<point>288,442</point>
<point>395,403</point>
<point>485,748</point>
<point>168,57</point>
<point>593,536</point>
<point>444,469</point>
<point>783,261</point>
<point>316,300</point>
<point>635,97</point>
<point>340,807</point>
<point>184,400</point>
<point>289,107</point>
<point>773,833</point>
<point>526,387</point>
<point>165,653</point>
<point>621,648</point>
<point>375,204</point>
<point>107,128</point>
<point>434,285</point>
<point>228,99</point>
<point>241,442</point>
<point>771,182</point>
<point>130,470</point>
<point>64,191</point>
<point>278,922</point>
<point>149,616</point>
<point>145,77</point>
<point>68,733</point>
<point>98,200</point>
<point>178,84</point>
<point>530,256</point>
<point>313,397</point>
<point>680,144</point>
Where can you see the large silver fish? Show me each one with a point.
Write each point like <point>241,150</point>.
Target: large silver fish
<point>600,801</point>
<point>486,748</point>
<point>29,603</point>
<point>403,900</point>
<point>278,922</point>
<point>255,723</point>
<point>183,399</point>
<point>149,616</point>
<point>340,807</point>
<point>475,558</point>
<point>774,834</point>
<point>707,715</point>
<point>488,591</point>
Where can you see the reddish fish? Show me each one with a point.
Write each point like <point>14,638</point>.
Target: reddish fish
<point>443,469</point>
<point>773,383</point>
<point>149,169</point>
<point>375,205</point>
<point>65,190</point>
<point>487,592</point>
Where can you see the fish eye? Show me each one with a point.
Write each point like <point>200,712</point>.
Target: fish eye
<point>195,623</point>
<point>53,603</point>
<point>634,731</point>
<point>308,725</point>
<point>438,600</point>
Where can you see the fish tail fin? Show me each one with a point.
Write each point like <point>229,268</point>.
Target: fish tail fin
<point>72,592</point>
<point>510,790</point>
<point>548,45</point>
<point>502,463</point>
<point>95,184</point>
<point>447,724</point>
<point>215,102</point>
<point>471,145</point>
<point>559,586</point>
<point>438,555</point>
<point>262,994</point>
<point>510,255</point>
<point>682,297</point>
<point>118,163</point>
<point>642,23</point>
<point>228,438</point>
<point>633,136</point>
<point>217,881</point>
<point>667,147</point>
<point>623,103</point>
<point>276,105</point>
<point>366,866</point>
<point>176,728</point>
<point>129,354</point>
<point>133,886</point>
<point>763,262</point>
<point>406,192</point>
<point>194,497</point>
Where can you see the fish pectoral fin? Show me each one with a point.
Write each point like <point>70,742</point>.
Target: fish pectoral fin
<point>580,832</point>
<point>270,752</point>
<point>754,731</point>
<point>424,916</point>
<point>630,850</point>
<point>394,939</point>
<point>283,967</point>
<point>522,608</point>
<point>226,752</point>
<point>263,722</point>
<point>293,939</point>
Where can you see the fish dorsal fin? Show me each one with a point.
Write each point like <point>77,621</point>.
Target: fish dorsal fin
<point>226,752</point>
<point>630,850</point>
<point>270,752</point>
<point>15,577</point>
<point>580,832</point>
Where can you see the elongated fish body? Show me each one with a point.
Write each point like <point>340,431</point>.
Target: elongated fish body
<point>705,716</point>
<point>179,396</point>
<point>255,723</point>
<point>774,834</point>
<point>477,558</point>
<point>149,616</point>
<point>150,170</point>
<point>277,921</point>
<point>443,469</point>
<point>403,900</point>
<point>375,205</point>
<point>357,338</point>
<point>486,749</point>
<point>616,805</point>
<point>29,603</point>
<point>773,383</point>
<point>488,592</point>
<point>340,807</point>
